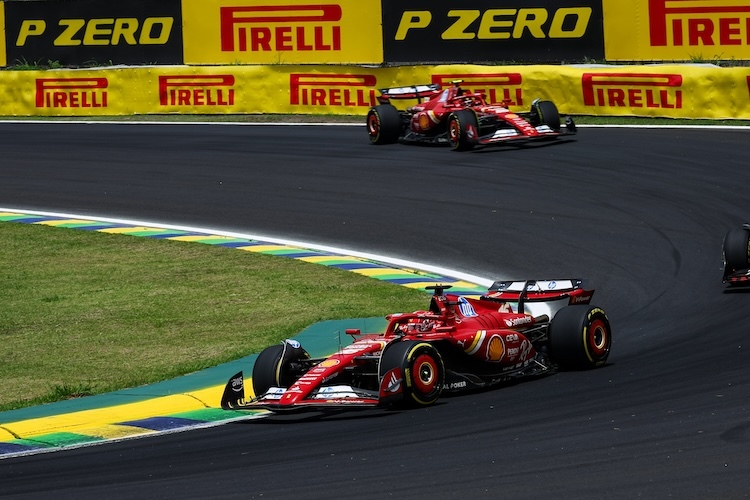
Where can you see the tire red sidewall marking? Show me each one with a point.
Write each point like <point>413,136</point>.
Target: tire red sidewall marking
<point>455,130</point>
<point>597,338</point>
<point>373,125</point>
<point>425,373</point>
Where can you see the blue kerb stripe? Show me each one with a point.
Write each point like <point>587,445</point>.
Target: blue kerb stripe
<point>254,243</point>
<point>96,228</point>
<point>17,448</point>
<point>404,281</point>
<point>300,255</point>
<point>31,220</point>
<point>164,236</point>
<point>161,423</point>
<point>358,265</point>
<point>233,244</point>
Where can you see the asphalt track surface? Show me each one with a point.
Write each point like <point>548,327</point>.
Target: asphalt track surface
<point>640,213</point>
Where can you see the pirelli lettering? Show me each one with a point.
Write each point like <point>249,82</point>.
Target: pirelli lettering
<point>279,28</point>
<point>71,92</point>
<point>632,90</point>
<point>482,31</point>
<point>497,87</point>
<point>334,90</point>
<point>83,32</point>
<point>196,90</point>
<point>699,23</point>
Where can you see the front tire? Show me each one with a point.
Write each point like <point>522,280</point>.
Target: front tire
<point>463,130</point>
<point>580,337</point>
<point>736,250</point>
<point>384,124</point>
<point>278,366</point>
<point>545,113</point>
<point>422,370</point>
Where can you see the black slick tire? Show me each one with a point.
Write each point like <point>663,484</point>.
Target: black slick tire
<point>422,370</point>
<point>273,367</point>
<point>463,130</point>
<point>580,337</point>
<point>384,124</point>
<point>736,250</point>
<point>547,114</point>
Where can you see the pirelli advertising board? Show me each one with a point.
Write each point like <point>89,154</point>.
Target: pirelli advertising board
<point>676,91</point>
<point>282,32</point>
<point>3,60</point>
<point>93,32</point>
<point>490,31</point>
<point>677,30</point>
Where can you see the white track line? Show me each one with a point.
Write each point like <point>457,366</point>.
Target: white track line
<point>280,241</point>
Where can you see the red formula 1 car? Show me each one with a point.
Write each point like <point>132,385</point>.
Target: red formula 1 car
<point>462,119</point>
<point>517,329</point>
<point>736,254</point>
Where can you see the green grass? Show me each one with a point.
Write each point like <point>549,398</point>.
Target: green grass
<point>84,312</point>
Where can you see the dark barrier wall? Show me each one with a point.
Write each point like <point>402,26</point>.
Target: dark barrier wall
<point>491,31</point>
<point>93,32</point>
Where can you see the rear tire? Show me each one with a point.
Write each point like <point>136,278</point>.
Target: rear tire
<point>463,130</point>
<point>384,124</point>
<point>545,113</point>
<point>736,250</point>
<point>422,370</point>
<point>580,337</point>
<point>275,366</point>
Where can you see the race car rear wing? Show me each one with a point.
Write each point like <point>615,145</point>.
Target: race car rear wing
<point>555,286</point>
<point>521,292</point>
<point>418,92</point>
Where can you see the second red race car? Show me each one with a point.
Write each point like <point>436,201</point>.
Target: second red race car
<point>518,329</point>
<point>460,119</point>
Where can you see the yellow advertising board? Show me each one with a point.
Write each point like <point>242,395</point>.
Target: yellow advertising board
<point>3,52</point>
<point>676,30</point>
<point>675,91</point>
<point>282,32</point>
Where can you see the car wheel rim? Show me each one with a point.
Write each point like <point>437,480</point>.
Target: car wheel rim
<point>425,374</point>
<point>373,125</point>
<point>598,338</point>
<point>454,131</point>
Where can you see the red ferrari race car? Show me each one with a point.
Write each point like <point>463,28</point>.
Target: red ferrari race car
<point>462,119</point>
<point>517,329</point>
<point>736,255</point>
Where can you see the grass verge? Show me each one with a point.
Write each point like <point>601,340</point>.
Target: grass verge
<point>86,313</point>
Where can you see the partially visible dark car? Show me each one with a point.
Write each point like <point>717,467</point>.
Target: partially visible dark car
<point>736,255</point>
